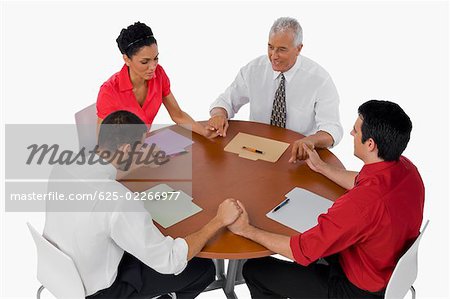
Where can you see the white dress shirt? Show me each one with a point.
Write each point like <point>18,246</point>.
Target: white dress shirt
<point>312,101</point>
<point>97,235</point>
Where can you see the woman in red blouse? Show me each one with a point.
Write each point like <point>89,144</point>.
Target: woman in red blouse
<point>142,86</point>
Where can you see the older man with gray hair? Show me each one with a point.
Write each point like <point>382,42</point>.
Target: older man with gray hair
<point>286,90</point>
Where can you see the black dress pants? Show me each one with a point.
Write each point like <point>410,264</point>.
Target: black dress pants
<point>273,278</point>
<point>137,280</point>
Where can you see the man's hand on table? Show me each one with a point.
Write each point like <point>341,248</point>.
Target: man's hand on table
<point>320,139</point>
<point>218,121</point>
<point>339,175</point>
<point>229,210</point>
<point>313,160</point>
<point>298,152</point>
<point>242,224</point>
<point>274,242</point>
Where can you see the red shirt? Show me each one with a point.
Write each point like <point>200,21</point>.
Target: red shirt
<point>117,94</point>
<point>370,226</point>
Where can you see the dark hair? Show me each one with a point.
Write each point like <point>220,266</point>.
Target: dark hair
<point>118,128</point>
<point>134,37</point>
<point>388,125</point>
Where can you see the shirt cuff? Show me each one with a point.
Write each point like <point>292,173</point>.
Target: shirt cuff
<point>166,93</point>
<point>335,131</point>
<point>182,252</point>
<point>217,104</point>
<point>297,251</point>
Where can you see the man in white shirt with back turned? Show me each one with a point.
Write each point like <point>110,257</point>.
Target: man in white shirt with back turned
<point>118,251</point>
<point>284,89</point>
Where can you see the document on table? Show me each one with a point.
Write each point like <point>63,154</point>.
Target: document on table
<point>256,148</point>
<point>168,207</point>
<point>169,141</point>
<point>302,210</point>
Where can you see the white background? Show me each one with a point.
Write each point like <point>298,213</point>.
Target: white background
<point>55,56</point>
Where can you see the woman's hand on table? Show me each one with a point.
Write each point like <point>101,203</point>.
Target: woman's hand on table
<point>210,132</point>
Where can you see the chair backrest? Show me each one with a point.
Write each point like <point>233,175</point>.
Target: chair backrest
<point>405,272</point>
<point>86,121</point>
<point>56,270</point>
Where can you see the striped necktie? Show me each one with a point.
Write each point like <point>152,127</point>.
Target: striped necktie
<point>278,117</point>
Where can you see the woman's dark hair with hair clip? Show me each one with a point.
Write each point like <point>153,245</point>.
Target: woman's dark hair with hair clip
<point>134,37</point>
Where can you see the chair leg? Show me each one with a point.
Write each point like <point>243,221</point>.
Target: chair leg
<point>413,292</point>
<point>39,291</point>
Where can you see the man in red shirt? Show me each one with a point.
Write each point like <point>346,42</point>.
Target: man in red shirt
<point>363,234</point>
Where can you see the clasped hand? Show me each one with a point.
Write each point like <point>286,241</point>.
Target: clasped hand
<point>218,123</point>
<point>232,213</point>
<point>299,151</point>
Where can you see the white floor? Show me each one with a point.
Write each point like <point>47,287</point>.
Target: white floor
<point>240,290</point>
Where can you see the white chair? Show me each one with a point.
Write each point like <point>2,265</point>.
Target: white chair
<point>56,270</point>
<point>86,121</point>
<point>405,272</point>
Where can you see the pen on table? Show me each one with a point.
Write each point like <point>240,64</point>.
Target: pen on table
<point>283,203</point>
<point>178,154</point>
<point>254,150</point>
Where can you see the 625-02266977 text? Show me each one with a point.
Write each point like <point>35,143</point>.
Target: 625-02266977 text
<point>97,195</point>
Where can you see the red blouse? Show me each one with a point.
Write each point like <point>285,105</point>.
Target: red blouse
<point>117,94</point>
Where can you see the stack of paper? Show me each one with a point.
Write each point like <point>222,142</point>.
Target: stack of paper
<point>302,210</point>
<point>169,207</point>
<point>169,142</point>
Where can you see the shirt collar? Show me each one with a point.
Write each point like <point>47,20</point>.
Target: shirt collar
<point>90,171</point>
<point>372,168</point>
<point>106,169</point>
<point>291,72</point>
<point>125,81</point>
<point>110,170</point>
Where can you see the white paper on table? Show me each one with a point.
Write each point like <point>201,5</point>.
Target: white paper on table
<point>169,141</point>
<point>169,212</point>
<point>302,210</point>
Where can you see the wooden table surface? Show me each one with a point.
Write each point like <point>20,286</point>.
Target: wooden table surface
<point>211,175</point>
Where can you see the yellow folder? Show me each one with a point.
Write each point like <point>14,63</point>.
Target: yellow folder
<point>256,148</point>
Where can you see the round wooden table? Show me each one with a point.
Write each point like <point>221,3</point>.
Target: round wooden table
<point>214,175</point>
